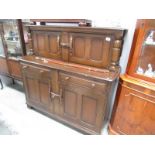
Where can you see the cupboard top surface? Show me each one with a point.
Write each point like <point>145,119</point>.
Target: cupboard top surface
<point>116,31</point>
<point>87,71</point>
<point>138,82</point>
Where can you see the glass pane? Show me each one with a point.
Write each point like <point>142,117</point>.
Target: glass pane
<point>146,64</point>
<point>12,39</point>
<point>1,47</point>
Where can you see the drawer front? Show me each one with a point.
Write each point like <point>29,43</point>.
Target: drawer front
<point>35,71</point>
<point>70,79</point>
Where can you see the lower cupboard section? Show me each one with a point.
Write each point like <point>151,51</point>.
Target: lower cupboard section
<point>76,101</point>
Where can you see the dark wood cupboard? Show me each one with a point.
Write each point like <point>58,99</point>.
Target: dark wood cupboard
<point>66,96</point>
<point>70,75</point>
<point>134,109</point>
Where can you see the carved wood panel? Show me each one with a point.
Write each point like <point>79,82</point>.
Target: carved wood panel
<point>90,49</point>
<point>46,44</point>
<point>89,110</point>
<point>70,102</point>
<point>92,110</point>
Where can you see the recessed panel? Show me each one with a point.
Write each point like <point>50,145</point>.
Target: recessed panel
<point>33,89</point>
<point>70,103</point>
<point>53,45</point>
<point>44,93</point>
<point>96,52</point>
<point>41,42</point>
<point>89,109</point>
<point>79,47</point>
<point>35,44</point>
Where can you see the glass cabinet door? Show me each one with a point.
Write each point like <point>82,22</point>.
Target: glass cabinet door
<point>146,61</point>
<point>2,53</point>
<point>12,38</point>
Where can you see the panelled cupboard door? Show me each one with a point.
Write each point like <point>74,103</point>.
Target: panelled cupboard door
<point>90,49</point>
<point>47,44</point>
<point>92,107</point>
<point>83,106</point>
<point>70,102</point>
<point>38,86</point>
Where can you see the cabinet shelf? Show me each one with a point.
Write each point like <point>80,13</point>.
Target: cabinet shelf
<point>12,41</point>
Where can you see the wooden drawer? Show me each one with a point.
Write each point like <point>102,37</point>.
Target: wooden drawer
<point>35,71</point>
<point>70,79</point>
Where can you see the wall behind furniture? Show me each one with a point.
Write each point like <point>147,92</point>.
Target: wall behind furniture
<point>127,23</point>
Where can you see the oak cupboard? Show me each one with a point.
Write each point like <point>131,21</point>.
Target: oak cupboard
<point>71,73</point>
<point>77,100</point>
<point>134,109</point>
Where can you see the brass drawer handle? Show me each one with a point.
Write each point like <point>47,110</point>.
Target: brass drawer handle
<point>41,71</point>
<point>67,78</point>
<point>126,95</point>
<point>93,85</point>
<point>24,67</point>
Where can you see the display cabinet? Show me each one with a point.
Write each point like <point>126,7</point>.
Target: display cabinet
<point>12,46</point>
<point>143,64</point>
<point>134,109</point>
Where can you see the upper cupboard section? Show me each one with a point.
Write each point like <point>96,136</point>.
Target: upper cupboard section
<point>95,47</point>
